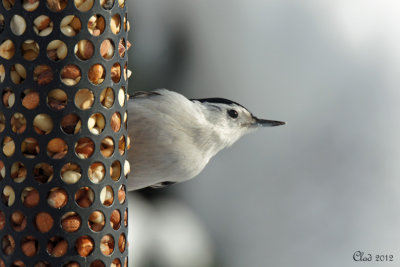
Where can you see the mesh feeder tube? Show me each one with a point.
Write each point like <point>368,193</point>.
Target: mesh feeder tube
<point>63,133</point>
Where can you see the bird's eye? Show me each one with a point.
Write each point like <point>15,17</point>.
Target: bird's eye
<point>233,113</point>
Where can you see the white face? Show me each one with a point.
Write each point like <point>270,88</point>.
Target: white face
<point>238,116</point>
<point>233,122</point>
<point>230,121</point>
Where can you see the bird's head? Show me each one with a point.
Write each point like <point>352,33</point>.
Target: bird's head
<point>231,120</point>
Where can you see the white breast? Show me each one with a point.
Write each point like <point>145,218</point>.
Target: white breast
<point>162,144</point>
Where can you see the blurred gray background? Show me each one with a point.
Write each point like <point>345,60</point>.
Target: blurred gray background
<point>310,193</point>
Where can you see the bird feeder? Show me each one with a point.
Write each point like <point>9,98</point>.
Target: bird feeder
<point>63,133</point>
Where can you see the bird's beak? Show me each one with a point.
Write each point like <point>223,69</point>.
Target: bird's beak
<point>266,123</point>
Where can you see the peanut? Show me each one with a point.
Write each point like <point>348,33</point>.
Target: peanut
<point>116,263</point>
<point>71,173</point>
<point>126,125</point>
<point>8,146</point>
<point>126,24</point>
<point>44,222</point>
<point>43,124</point>
<point>121,48</point>
<point>43,172</point>
<point>128,74</point>
<point>18,221</point>
<point>115,219</point>
<point>107,97</point>
<point>57,198</point>
<point>57,50</point>
<point>8,98</point>
<point>70,75</point>
<point>107,4</point>
<point>29,246</point>
<point>121,145</point>
<point>96,74</point>
<point>31,99</point>
<point>75,24</point>
<point>115,170</point>
<point>30,5</point>
<point>107,245</point>
<point>56,5</point>
<point>96,25</point>
<point>127,168</point>
<point>96,172</point>
<point>107,147</point>
<point>71,177</point>
<point>107,196</point>
<point>18,123</point>
<point>115,24</point>
<point>68,31</point>
<point>8,245</point>
<point>18,25</point>
<point>84,197</point>
<point>57,148</point>
<point>8,4</point>
<point>71,222</point>
<point>57,246</point>
<point>122,243</point>
<point>30,147</point>
<point>7,49</point>
<point>96,123</point>
<point>115,122</point>
<point>41,22</point>
<point>43,74</point>
<point>2,73</point>
<point>96,221</point>
<point>71,124</point>
<point>84,148</point>
<point>96,217</point>
<point>84,246</point>
<point>126,218</point>
<point>121,194</point>
<point>17,73</point>
<point>107,49</point>
<point>121,96</point>
<point>83,5</point>
<point>30,197</point>
<point>84,49</point>
<point>18,172</point>
<point>42,25</point>
<point>30,50</point>
<point>116,72</point>
<point>57,99</point>
<point>56,145</point>
<point>84,99</point>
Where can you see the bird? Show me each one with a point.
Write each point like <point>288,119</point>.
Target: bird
<point>173,137</point>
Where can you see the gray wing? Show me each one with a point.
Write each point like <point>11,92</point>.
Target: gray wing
<point>140,94</point>
<point>162,184</point>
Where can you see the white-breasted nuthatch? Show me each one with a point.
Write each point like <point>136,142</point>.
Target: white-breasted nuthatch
<point>174,138</point>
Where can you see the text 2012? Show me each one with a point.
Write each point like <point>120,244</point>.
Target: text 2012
<point>362,256</point>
